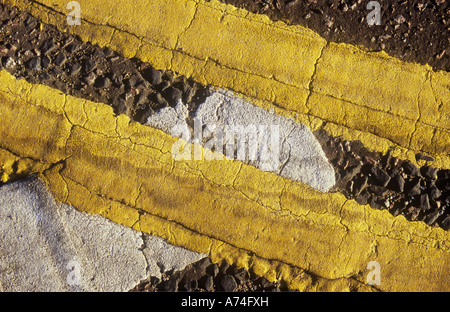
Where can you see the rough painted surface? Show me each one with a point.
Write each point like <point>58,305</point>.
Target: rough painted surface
<point>163,257</point>
<point>242,131</point>
<point>124,171</point>
<point>228,209</point>
<point>300,156</point>
<point>359,94</point>
<point>46,245</point>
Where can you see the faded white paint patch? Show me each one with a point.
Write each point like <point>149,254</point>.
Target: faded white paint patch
<point>46,246</point>
<point>240,130</point>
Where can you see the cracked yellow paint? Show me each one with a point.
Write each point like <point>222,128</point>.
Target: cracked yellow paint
<point>282,229</point>
<point>360,95</point>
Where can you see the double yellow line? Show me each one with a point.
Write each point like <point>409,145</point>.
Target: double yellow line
<point>370,96</point>
<point>103,164</point>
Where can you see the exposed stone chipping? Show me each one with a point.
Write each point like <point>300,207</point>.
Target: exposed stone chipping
<point>414,31</point>
<point>386,182</point>
<point>41,54</point>
<point>206,276</point>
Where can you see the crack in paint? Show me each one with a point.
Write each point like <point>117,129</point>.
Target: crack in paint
<point>310,91</point>
<point>419,109</point>
<point>313,76</point>
<point>221,242</point>
<point>390,234</point>
<point>269,77</point>
<point>280,212</point>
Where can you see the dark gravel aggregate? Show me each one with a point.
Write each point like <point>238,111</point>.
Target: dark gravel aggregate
<point>386,182</point>
<point>41,54</point>
<point>413,31</point>
<point>204,275</point>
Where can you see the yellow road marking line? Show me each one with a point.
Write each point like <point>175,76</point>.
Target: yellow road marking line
<point>106,165</point>
<point>376,98</point>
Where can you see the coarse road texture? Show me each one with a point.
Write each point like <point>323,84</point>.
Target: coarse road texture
<point>152,97</point>
<point>355,92</point>
<point>101,163</point>
<point>414,31</point>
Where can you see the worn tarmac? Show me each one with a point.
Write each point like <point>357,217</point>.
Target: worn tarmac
<point>98,138</point>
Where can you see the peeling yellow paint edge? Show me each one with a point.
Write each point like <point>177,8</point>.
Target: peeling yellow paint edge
<point>86,150</point>
<point>417,135</point>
